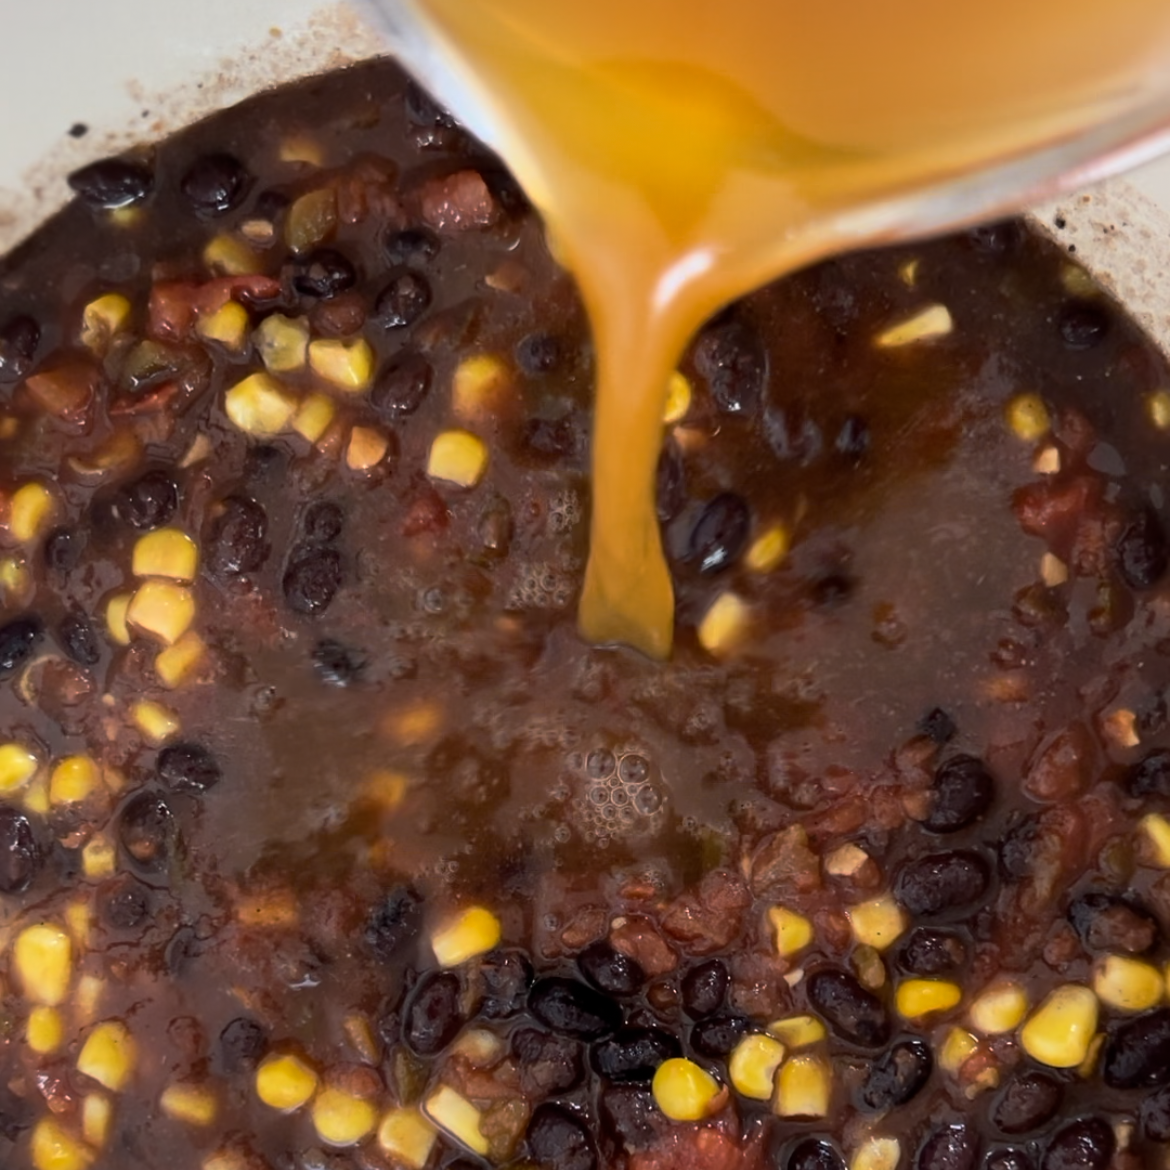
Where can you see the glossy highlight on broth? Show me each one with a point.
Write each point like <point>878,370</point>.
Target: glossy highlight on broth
<point>685,151</point>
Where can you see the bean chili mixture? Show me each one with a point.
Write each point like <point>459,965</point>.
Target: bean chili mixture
<point>325,842</point>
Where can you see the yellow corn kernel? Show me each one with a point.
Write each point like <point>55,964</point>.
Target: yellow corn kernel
<point>30,510</point>
<point>193,1104</point>
<point>285,1082</point>
<point>878,922</point>
<point>475,931</point>
<point>908,272</point>
<point>845,861</point>
<point>282,343</point>
<point>260,406</point>
<point>1047,461</point>
<point>1060,1030</point>
<point>45,1029</point>
<point>155,722</point>
<point>753,1064</point>
<point>998,1008</point>
<point>1155,830</point>
<point>99,858</point>
<point>87,996</point>
<point>957,1047</point>
<point>725,625</point>
<point>768,549</point>
<point>385,788</point>
<point>678,398</point>
<point>933,321</point>
<point>228,325</point>
<point>683,1090</point>
<point>479,1047</point>
<point>101,319</point>
<point>77,922</point>
<point>313,217</point>
<point>1129,985</point>
<point>455,1115</point>
<point>17,767</point>
<point>108,1055</point>
<point>116,609</point>
<point>342,1119</point>
<point>313,416</point>
<point>97,1115</point>
<point>803,1087</point>
<point>791,931</point>
<point>175,663</point>
<point>15,579</point>
<point>459,457</point>
<point>36,795</point>
<point>877,1153</point>
<point>1027,417</point>
<point>1053,571</point>
<point>367,448</point>
<point>415,723</point>
<point>1158,406</point>
<point>53,1147</point>
<point>797,1031</point>
<point>229,255</point>
<point>74,779</point>
<point>1088,1066</point>
<point>408,1137</point>
<point>922,997</point>
<point>163,609</point>
<point>359,1033</point>
<point>166,552</point>
<point>348,365</point>
<point>480,384</point>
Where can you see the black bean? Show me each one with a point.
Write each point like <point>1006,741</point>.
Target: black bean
<point>404,299</point>
<point>235,541</point>
<point>63,549</point>
<point>963,791</point>
<point>720,533</point>
<point>322,522</point>
<point>125,906</point>
<point>1156,1116</point>
<point>1027,1102</point>
<point>551,438</point>
<point>17,1114</point>
<point>111,183</point>
<point>215,183</point>
<point>997,239</point>
<point>852,441</point>
<point>433,1015</point>
<point>1085,1144</point>
<point>573,1008</point>
<point>718,1035</point>
<point>942,883</point>
<point>324,273</point>
<point>19,338</point>
<point>560,1140</point>
<point>312,579</point>
<point>336,664</point>
<point>394,924</point>
<point>1142,550</point>
<point>670,489</point>
<point>548,1064</point>
<point>814,1154</point>
<point>538,353</point>
<point>629,1113</point>
<point>731,358</point>
<point>1082,324</point>
<point>1009,1158</point>
<point>929,951</point>
<point>79,639</point>
<point>832,589</point>
<point>1016,849</point>
<point>897,1076</point>
<point>1106,923</point>
<point>417,244</point>
<point>1137,1054</point>
<point>147,831</point>
<point>18,640</point>
<point>633,1053</point>
<point>1150,776</point>
<point>188,767</point>
<point>704,988</point>
<point>609,970</point>
<point>856,1015</point>
<point>505,977</point>
<point>793,437</point>
<point>938,726</point>
<point>149,502</point>
<point>242,1043</point>
<point>20,856</point>
<point>951,1147</point>
<point>402,386</point>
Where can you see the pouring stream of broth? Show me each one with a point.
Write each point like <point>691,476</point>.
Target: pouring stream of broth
<point>684,152</point>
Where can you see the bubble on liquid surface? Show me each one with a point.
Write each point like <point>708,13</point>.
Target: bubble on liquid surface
<point>619,793</point>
